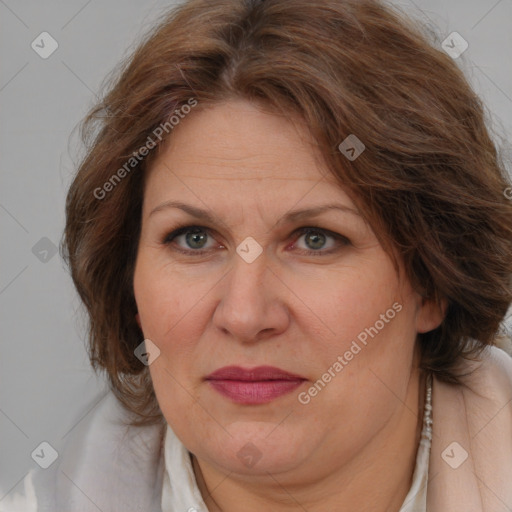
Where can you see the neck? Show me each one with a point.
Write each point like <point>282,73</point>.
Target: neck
<point>384,472</point>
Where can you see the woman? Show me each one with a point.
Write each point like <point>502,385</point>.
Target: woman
<point>298,207</point>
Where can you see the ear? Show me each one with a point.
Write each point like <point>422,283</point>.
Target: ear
<point>430,314</point>
<point>137,317</point>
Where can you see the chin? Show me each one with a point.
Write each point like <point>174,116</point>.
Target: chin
<point>257,449</point>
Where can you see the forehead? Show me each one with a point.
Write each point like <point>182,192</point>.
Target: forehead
<point>237,144</point>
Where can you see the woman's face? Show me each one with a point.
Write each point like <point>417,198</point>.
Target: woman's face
<point>247,286</point>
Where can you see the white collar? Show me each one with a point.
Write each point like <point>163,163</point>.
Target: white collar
<point>180,490</point>
<point>416,499</point>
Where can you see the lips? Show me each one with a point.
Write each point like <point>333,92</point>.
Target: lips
<point>259,373</point>
<point>255,385</point>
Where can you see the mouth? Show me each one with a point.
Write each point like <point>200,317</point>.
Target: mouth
<point>253,386</point>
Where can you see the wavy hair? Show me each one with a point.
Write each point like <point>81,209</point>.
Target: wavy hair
<point>430,181</point>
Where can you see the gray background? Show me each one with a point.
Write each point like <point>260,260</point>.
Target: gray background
<point>45,380</point>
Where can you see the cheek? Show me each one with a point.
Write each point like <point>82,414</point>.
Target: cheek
<point>164,298</point>
<point>348,301</point>
<point>173,313</point>
<point>366,316</point>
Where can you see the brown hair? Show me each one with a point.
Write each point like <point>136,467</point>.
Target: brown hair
<point>429,182</point>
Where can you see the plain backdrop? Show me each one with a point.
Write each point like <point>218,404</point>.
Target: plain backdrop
<point>46,384</point>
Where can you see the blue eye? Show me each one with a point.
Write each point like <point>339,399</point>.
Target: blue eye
<point>195,237</point>
<point>320,241</point>
<point>194,240</point>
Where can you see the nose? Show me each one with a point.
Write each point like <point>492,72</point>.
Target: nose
<point>252,303</point>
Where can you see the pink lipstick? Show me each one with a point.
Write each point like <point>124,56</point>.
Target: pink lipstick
<point>253,386</point>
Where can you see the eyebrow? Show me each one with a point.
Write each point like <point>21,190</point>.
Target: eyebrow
<point>294,215</point>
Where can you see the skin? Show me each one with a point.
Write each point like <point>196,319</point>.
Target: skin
<point>354,444</point>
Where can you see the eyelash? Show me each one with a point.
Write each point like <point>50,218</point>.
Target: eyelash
<point>180,230</point>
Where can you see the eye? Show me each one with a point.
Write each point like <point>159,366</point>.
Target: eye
<point>190,239</point>
<point>197,240</point>
<point>320,241</point>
